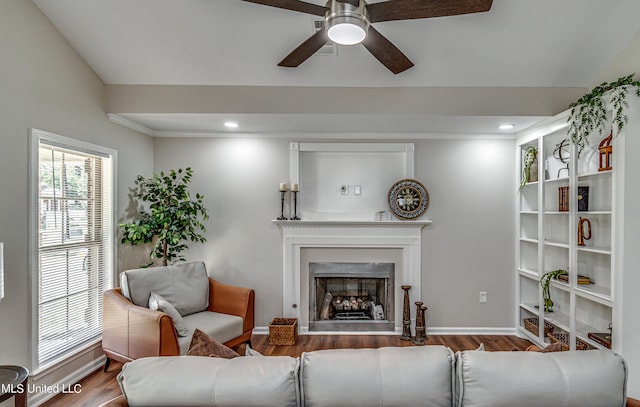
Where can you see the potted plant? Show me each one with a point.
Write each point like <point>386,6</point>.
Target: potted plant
<point>545,282</point>
<point>529,167</point>
<point>172,216</point>
<point>589,113</point>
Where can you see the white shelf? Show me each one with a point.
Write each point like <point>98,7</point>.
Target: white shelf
<point>555,180</point>
<point>530,308</point>
<point>556,244</point>
<point>528,240</point>
<point>594,174</point>
<point>560,285</point>
<point>554,233</point>
<point>594,249</point>
<point>596,293</point>
<point>528,273</point>
<point>558,319</point>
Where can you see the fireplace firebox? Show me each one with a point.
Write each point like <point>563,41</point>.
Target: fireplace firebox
<point>351,296</point>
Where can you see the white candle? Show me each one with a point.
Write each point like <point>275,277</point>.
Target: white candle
<point>294,187</point>
<point>283,187</point>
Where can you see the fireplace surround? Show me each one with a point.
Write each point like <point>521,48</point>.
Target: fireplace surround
<point>403,237</point>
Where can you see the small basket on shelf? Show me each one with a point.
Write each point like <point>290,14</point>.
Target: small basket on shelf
<point>531,325</point>
<point>283,331</point>
<point>563,338</point>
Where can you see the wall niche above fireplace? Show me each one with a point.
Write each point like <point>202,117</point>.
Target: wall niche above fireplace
<point>347,181</point>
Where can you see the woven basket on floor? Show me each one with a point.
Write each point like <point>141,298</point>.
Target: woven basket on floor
<point>564,339</point>
<point>283,331</point>
<point>531,325</point>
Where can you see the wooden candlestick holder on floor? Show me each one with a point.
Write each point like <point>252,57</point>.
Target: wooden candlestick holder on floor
<point>406,316</point>
<point>421,332</point>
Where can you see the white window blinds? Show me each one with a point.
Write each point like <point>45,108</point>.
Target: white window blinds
<point>75,245</point>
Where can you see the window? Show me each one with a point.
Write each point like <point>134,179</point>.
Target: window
<point>72,184</point>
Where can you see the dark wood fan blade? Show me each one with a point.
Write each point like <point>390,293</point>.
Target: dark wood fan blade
<point>385,52</point>
<point>413,9</point>
<point>305,50</point>
<point>294,5</point>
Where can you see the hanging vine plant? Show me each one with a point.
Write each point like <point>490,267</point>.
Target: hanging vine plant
<point>589,113</point>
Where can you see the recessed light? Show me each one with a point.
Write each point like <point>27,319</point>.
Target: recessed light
<point>507,126</point>
<point>231,125</point>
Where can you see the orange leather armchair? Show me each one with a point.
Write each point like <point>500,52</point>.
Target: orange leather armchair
<point>131,331</point>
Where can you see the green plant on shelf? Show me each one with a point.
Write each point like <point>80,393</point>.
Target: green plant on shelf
<point>545,282</point>
<point>589,113</point>
<point>530,157</point>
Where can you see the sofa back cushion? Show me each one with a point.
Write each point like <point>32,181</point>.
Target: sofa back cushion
<point>185,286</point>
<point>594,378</point>
<point>404,376</point>
<point>203,381</point>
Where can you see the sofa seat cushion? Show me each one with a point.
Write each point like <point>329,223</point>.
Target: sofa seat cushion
<point>221,327</point>
<point>405,376</point>
<point>593,378</point>
<point>185,286</point>
<point>196,381</point>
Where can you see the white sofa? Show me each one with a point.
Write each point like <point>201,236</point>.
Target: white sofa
<point>406,376</point>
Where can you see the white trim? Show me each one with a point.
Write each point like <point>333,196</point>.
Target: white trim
<point>298,235</point>
<point>264,330</point>
<point>38,399</point>
<point>130,124</point>
<point>35,137</point>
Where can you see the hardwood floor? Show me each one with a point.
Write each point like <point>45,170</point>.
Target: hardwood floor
<point>100,387</point>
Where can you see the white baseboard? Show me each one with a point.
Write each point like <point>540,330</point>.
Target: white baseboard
<point>264,330</point>
<point>67,383</point>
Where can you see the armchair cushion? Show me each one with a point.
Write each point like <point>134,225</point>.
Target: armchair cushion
<point>159,303</point>
<point>222,327</point>
<point>185,286</point>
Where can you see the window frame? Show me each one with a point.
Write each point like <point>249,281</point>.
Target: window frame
<point>35,138</point>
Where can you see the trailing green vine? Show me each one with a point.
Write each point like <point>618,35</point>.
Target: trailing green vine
<point>545,282</point>
<point>589,113</point>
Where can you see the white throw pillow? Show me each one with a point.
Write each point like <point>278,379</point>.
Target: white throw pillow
<point>159,303</point>
<point>251,352</point>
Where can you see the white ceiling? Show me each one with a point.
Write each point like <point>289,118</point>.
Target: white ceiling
<point>519,43</point>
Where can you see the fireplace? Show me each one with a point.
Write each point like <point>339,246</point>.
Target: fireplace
<point>305,242</point>
<point>351,296</point>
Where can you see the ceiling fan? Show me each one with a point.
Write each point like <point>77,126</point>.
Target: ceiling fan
<point>348,22</point>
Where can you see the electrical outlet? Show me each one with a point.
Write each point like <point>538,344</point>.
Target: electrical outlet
<point>483,296</point>
<point>344,189</point>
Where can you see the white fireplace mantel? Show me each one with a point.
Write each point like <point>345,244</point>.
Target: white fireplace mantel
<point>297,235</point>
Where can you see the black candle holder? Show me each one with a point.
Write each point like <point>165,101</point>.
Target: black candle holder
<point>282,217</point>
<point>295,206</point>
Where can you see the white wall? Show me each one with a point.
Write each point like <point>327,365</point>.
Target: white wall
<point>44,84</point>
<point>468,248</point>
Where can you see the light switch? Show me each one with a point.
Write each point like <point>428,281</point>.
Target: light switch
<point>357,189</point>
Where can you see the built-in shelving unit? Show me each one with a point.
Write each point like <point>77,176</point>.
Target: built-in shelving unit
<point>548,237</point>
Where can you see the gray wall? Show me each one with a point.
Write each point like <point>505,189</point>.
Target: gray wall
<point>469,247</point>
<point>44,84</point>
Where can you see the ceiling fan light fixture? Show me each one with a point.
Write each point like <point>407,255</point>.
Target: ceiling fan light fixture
<point>346,24</point>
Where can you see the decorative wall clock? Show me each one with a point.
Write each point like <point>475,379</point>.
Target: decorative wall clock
<point>408,199</point>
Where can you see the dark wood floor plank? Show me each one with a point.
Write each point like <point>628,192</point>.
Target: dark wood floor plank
<point>100,387</point>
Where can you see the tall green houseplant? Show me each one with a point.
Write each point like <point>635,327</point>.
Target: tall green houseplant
<point>172,218</point>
